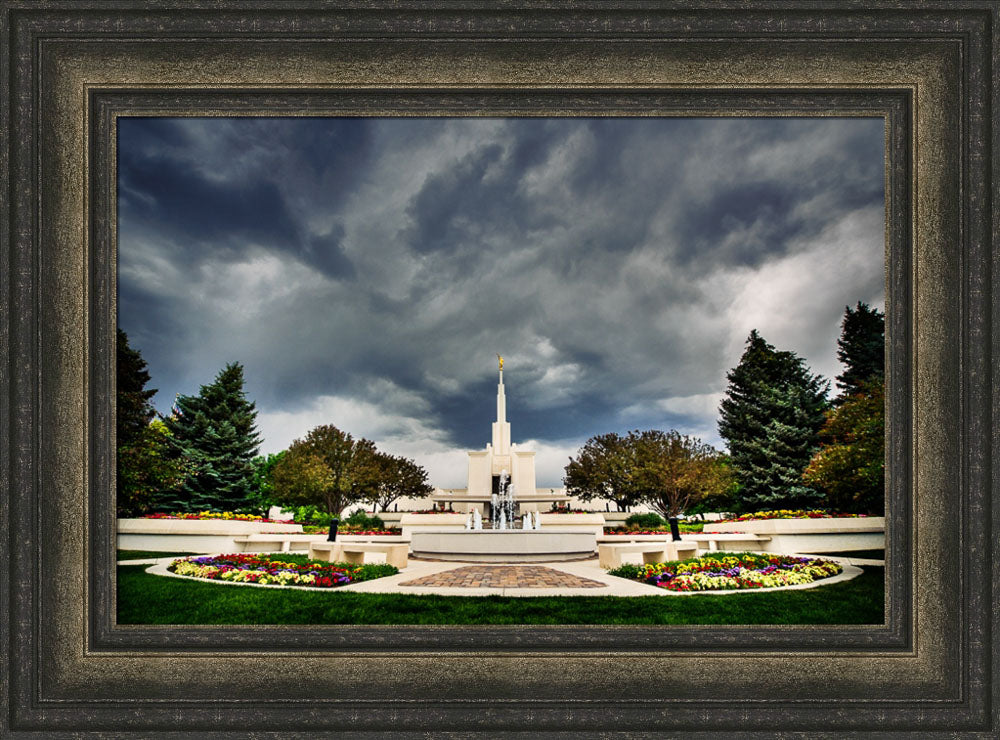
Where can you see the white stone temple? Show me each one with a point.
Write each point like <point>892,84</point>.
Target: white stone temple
<point>487,466</point>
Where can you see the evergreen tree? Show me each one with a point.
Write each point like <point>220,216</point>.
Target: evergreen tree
<point>141,469</point>
<point>860,348</point>
<point>133,409</point>
<point>216,432</point>
<point>770,419</point>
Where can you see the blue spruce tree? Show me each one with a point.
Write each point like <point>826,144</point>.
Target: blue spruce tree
<point>216,431</point>
<point>770,418</point>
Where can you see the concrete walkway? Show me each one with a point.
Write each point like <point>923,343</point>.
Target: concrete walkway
<point>436,571</point>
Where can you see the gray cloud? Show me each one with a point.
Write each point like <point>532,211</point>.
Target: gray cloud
<point>618,264</point>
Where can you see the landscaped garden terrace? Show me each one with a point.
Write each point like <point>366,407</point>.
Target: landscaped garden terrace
<point>355,524</point>
<point>278,570</point>
<point>730,571</point>
<point>654,524</point>
<point>144,598</point>
<point>792,514</point>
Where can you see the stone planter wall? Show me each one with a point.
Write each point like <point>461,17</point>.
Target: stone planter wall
<point>573,522</point>
<point>191,535</point>
<point>812,536</point>
<point>411,523</point>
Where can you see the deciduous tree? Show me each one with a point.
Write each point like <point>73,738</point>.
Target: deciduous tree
<point>327,468</point>
<point>675,471</point>
<point>149,474</point>
<point>850,466</point>
<point>395,478</point>
<point>604,468</point>
<point>261,495</point>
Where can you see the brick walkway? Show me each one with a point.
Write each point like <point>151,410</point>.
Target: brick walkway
<point>504,576</point>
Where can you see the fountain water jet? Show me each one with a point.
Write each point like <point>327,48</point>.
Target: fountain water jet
<point>502,515</point>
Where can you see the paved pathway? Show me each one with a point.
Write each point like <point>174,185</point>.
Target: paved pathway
<point>504,576</point>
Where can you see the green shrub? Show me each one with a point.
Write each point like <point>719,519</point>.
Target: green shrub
<point>311,515</point>
<point>360,520</point>
<point>371,571</point>
<point>628,570</point>
<point>645,521</point>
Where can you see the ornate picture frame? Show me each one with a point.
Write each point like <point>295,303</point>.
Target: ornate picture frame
<point>70,70</point>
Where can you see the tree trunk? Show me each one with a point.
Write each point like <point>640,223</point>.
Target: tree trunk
<point>675,530</point>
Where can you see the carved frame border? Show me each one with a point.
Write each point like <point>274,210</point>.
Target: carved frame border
<point>70,68</point>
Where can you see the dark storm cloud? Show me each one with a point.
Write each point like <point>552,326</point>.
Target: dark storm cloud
<point>249,184</point>
<point>369,269</point>
<point>178,200</point>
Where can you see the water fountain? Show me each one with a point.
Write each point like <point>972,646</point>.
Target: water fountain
<point>503,504</point>
<point>503,541</point>
<point>506,539</point>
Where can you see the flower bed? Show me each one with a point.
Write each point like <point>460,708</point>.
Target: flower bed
<point>278,570</point>
<point>790,514</point>
<point>684,528</point>
<point>225,515</point>
<point>320,529</point>
<point>730,571</point>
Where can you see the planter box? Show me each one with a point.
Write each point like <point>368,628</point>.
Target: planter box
<point>411,523</point>
<point>812,536</point>
<point>192,535</point>
<point>801,526</point>
<point>664,537</point>
<point>503,545</point>
<point>574,522</point>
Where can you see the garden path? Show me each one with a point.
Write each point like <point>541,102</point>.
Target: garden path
<point>504,576</point>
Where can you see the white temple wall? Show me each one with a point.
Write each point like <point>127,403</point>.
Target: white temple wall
<point>524,473</point>
<point>480,481</point>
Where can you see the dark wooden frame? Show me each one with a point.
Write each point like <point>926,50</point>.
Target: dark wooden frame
<point>70,68</point>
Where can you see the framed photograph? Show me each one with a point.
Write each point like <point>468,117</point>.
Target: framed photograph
<point>73,75</point>
<point>350,275</point>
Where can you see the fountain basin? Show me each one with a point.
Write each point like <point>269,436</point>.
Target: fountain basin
<point>503,545</point>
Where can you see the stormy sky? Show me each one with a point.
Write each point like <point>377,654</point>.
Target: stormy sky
<point>366,271</point>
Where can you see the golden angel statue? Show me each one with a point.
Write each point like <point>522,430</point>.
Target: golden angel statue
<point>501,362</point>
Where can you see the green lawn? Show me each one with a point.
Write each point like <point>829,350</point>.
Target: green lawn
<point>147,554</point>
<point>866,554</point>
<point>148,599</point>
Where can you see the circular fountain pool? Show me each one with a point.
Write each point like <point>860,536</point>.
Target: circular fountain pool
<point>503,545</point>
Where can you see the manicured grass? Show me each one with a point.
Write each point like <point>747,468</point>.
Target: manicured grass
<point>147,554</point>
<point>865,554</point>
<point>149,599</point>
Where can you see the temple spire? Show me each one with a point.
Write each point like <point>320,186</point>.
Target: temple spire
<point>501,398</point>
<point>501,429</point>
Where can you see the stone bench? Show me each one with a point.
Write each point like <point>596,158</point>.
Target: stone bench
<point>739,542</point>
<point>610,555</point>
<point>276,542</point>
<point>354,552</point>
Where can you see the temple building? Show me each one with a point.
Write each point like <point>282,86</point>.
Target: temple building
<point>488,466</point>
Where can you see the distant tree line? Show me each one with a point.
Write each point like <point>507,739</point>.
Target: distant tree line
<point>203,456</point>
<point>789,446</point>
